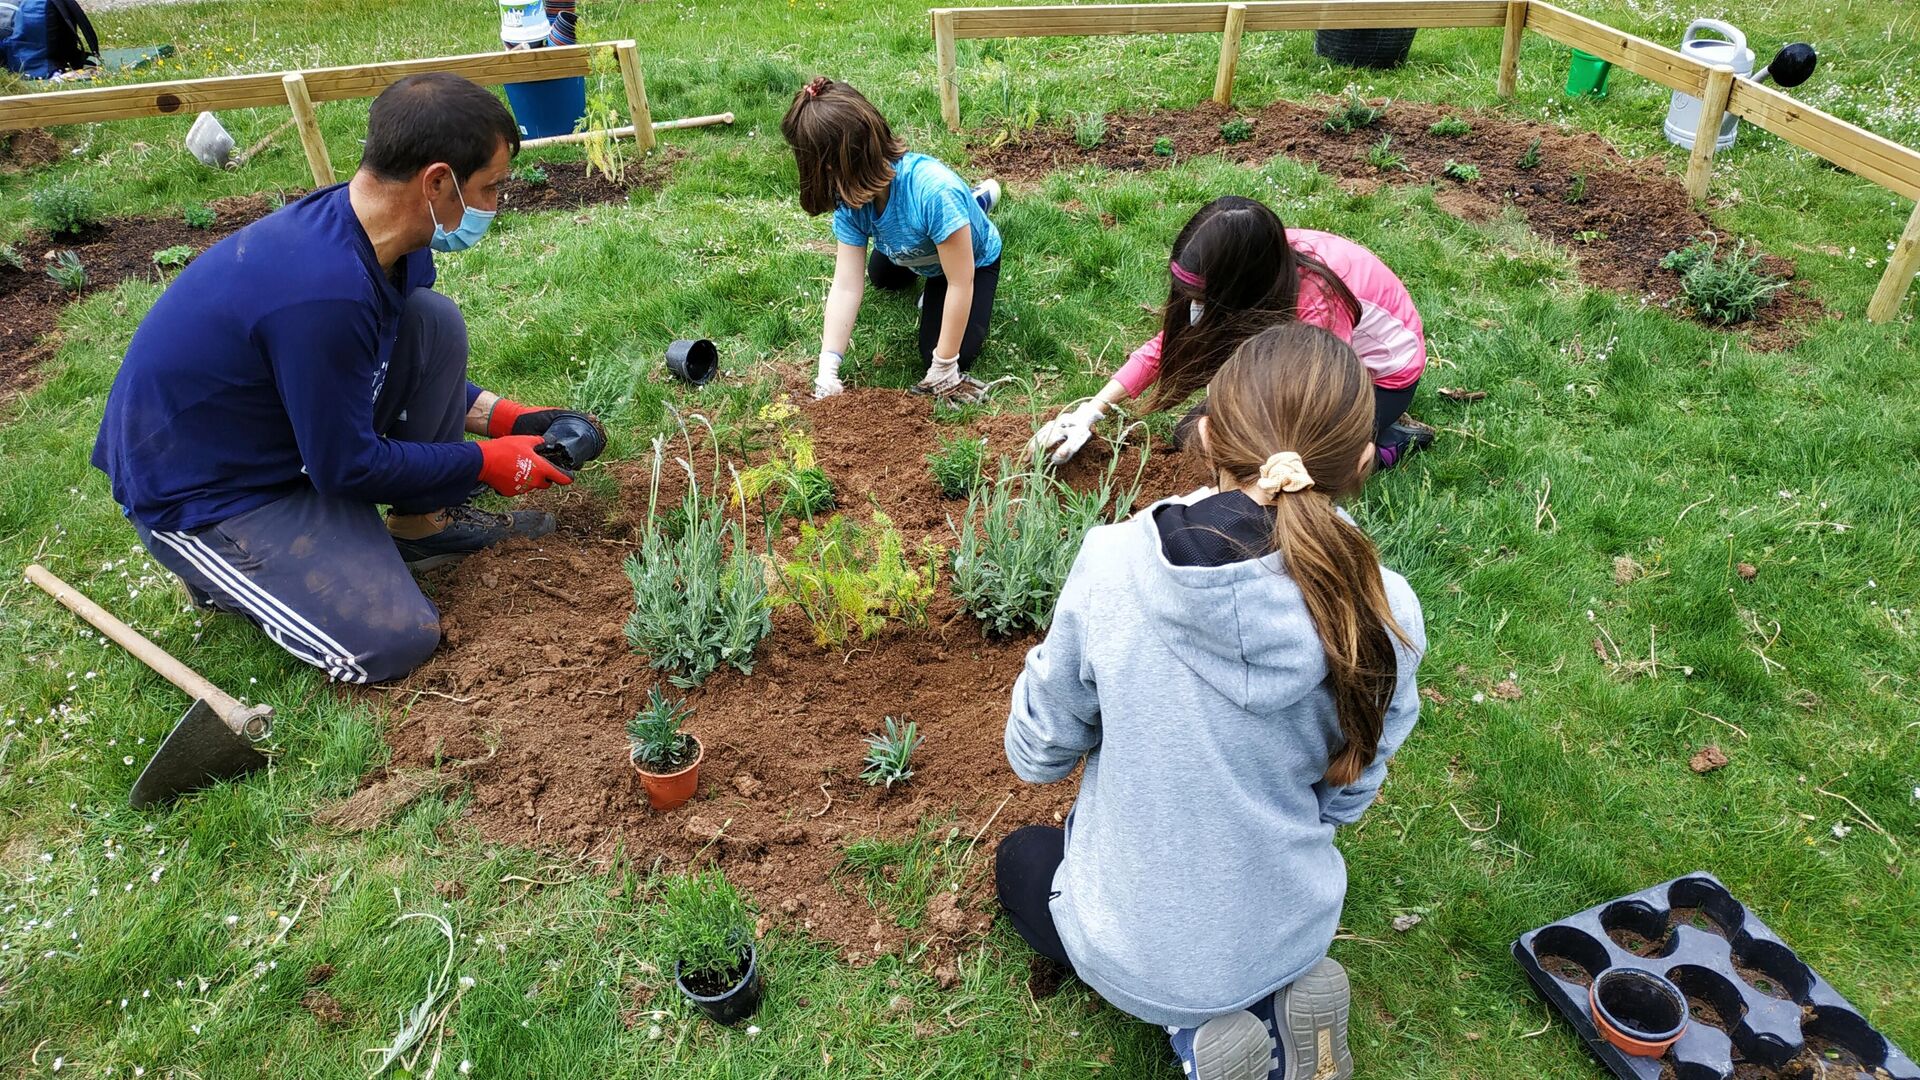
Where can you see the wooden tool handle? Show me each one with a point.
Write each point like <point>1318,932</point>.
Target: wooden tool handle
<point>192,683</point>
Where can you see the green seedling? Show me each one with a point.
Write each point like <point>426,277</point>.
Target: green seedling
<point>530,174</point>
<point>704,929</point>
<point>10,256</point>
<point>199,217</point>
<point>1355,115</point>
<point>1237,130</point>
<point>68,272</point>
<point>64,209</point>
<point>1531,158</point>
<point>1726,289</point>
<point>1384,157</point>
<point>1449,127</point>
<point>1464,173</point>
<point>959,465</point>
<point>655,735</point>
<point>851,580</point>
<point>890,755</point>
<point>1577,188</point>
<point>1090,130</point>
<point>173,258</point>
<point>1588,236</point>
<point>1163,147</point>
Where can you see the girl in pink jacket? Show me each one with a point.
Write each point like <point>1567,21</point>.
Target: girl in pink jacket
<point>1237,270</point>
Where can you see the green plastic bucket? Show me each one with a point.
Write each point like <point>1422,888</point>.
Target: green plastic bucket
<point>1587,75</point>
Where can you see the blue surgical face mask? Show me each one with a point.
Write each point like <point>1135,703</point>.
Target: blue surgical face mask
<point>473,225</point>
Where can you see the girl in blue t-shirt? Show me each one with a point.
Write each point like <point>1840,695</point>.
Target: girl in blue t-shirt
<point>921,218</point>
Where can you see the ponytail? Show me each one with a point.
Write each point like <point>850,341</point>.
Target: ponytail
<point>1291,414</point>
<point>1338,572</point>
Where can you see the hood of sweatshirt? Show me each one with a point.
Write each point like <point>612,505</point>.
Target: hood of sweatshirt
<point>1235,626</point>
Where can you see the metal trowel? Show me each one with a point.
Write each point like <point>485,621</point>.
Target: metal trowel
<point>214,741</point>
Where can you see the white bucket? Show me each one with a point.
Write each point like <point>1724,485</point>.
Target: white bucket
<point>1683,113</point>
<point>523,22</point>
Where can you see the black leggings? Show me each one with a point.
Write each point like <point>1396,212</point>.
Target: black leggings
<point>1388,407</point>
<point>887,274</point>
<point>1023,867</point>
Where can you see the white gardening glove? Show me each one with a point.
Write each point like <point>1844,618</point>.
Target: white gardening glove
<point>943,374</point>
<point>826,380</point>
<point>1067,433</point>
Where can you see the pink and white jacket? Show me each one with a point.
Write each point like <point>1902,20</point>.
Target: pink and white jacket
<point>1387,336</point>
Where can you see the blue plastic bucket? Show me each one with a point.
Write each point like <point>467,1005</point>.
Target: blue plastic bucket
<point>548,107</point>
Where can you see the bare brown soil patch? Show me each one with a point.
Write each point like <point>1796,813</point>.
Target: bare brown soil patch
<point>528,697</point>
<point>1618,216</point>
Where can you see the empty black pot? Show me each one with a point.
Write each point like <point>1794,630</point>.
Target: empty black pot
<point>1374,48</point>
<point>572,440</point>
<point>693,361</point>
<point>735,1004</point>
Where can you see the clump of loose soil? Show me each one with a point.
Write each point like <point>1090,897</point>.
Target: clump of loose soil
<point>1561,967</point>
<point>30,149</point>
<point>528,697</point>
<point>116,250</point>
<point>1628,214</point>
<point>1762,981</point>
<point>1696,918</point>
<point>325,1009</point>
<point>1638,944</point>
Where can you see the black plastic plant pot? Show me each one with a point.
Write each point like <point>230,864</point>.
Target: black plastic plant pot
<point>737,1002</point>
<point>572,440</point>
<point>1382,48</point>
<point>693,361</point>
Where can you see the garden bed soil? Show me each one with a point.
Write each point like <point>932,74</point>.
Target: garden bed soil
<point>1631,215</point>
<point>527,699</point>
<point>122,248</point>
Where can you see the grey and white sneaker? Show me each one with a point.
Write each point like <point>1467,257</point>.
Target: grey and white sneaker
<point>1311,1016</point>
<point>1236,1046</point>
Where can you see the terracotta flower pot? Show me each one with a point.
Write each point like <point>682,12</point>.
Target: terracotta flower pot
<point>1639,1012</point>
<point>669,791</point>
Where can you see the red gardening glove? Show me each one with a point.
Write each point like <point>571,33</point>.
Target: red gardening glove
<point>512,418</point>
<point>510,466</point>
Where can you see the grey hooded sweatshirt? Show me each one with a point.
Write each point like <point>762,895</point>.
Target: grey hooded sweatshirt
<point>1200,871</point>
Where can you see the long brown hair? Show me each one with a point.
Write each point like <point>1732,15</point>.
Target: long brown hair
<point>842,144</point>
<point>1248,277</point>
<point>1295,387</point>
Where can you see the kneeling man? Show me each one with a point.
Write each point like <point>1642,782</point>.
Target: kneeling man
<point>302,373</point>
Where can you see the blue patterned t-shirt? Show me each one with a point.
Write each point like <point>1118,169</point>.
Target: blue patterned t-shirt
<point>926,203</point>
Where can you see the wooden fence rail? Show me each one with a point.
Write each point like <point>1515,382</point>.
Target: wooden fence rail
<point>300,90</point>
<point>1882,161</point>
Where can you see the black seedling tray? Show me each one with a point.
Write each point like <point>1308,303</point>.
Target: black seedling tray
<point>1750,998</point>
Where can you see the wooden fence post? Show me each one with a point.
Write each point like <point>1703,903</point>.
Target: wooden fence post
<point>1901,265</point>
<point>1510,47</point>
<point>946,62</point>
<point>1229,53</point>
<point>1706,137</point>
<point>629,56</point>
<point>309,124</point>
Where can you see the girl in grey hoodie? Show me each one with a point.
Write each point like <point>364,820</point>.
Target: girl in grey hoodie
<point>1235,668</point>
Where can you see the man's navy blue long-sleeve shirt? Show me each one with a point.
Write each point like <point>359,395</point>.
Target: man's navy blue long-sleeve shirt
<point>256,373</point>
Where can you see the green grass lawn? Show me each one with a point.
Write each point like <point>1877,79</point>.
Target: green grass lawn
<point>178,943</point>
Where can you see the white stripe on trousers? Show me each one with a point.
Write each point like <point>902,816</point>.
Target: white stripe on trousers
<point>269,610</point>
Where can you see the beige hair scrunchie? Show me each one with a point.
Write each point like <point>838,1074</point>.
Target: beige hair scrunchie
<point>1284,472</point>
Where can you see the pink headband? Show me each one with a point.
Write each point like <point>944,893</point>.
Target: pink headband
<point>1186,276</point>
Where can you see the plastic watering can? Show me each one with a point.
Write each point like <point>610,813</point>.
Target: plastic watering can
<point>1728,50</point>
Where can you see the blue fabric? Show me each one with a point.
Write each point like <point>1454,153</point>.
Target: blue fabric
<point>256,373</point>
<point>1191,892</point>
<point>24,50</point>
<point>927,203</point>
